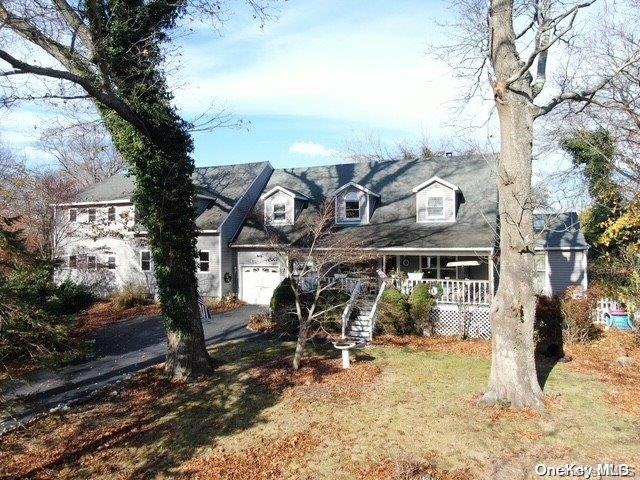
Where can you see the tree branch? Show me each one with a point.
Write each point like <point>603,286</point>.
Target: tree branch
<point>107,99</point>
<point>588,94</point>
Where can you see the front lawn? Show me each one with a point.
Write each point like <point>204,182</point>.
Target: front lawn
<point>401,411</point>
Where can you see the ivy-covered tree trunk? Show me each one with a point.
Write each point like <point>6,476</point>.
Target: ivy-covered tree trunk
<point>161,163</point>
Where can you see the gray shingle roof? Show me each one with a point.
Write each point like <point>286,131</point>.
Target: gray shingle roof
<point>225,183</point>
<point>393,223</point>
<point>560,230</point>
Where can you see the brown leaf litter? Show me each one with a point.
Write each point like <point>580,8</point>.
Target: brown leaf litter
<point>598,358</point>
<point>275,459</point>
<point>317,376</point>
<point>88,429</point>
<point>410,467</point>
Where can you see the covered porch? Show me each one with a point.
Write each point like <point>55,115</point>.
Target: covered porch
<point>457,277</point>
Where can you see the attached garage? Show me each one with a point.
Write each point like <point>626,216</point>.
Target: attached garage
<point>258,283</point>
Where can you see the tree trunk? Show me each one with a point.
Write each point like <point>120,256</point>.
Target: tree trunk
<point>513,377</point>
<point>164,200</point>
<point>187,355</point>
<point>300,345</point>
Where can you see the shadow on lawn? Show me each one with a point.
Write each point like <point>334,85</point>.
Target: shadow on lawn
<point>229,403</point>
<point>155,426</point>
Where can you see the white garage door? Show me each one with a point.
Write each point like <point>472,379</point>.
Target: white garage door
<point>258,284</point>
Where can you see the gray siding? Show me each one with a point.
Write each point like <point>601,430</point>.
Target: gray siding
<point>565,268</point>
<point>229,229</point>
<point>209,282</point>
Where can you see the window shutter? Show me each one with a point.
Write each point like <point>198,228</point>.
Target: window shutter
<point>421,205</point>
<point>341,207</point>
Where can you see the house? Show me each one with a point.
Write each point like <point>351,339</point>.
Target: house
<point>99,241</point>
<point>435,219</point>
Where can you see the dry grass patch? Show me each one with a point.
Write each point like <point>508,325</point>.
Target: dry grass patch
<point>409,467</point>
<point>398,413</point>
<point>452,345</point>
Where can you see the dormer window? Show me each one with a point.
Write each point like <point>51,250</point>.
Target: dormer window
<point>436,201</point>
<point>282,206</point>
<point>352,206</point>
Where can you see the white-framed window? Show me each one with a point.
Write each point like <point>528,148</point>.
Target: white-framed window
<point>540,271</point>
<point>279,212</point>
<point>73,214</point>
<point>435,208</point>
<point>538,223</point>
<point>73,261</point>
<point>92,214</point>
<point>111,214</point>
<point>429,266</point>
<point>351,206</point>
<point>111,262</point>
<point>450,273</point>
<point>203,261</point>
<point>145,260</point>
<point>91,262</point>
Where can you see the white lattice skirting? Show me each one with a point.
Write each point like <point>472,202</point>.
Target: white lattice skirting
<point>452,320</point>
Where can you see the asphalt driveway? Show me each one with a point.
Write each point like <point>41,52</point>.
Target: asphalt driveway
<point>119,349</point>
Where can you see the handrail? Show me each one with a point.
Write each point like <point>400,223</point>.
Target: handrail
<point>346,314</point>
<point>375,307</point>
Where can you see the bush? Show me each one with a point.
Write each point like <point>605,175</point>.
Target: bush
<point>421,301</point>
<point>548,326</point>
<point>34,284</point>
<point>130,296</point>
<point>393,313</point>
<point>577,313</point>
<point>283,308</point>
<point>69,298</point>
<point>31,335</point>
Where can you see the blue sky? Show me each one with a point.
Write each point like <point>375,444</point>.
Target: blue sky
<point>321,76</point>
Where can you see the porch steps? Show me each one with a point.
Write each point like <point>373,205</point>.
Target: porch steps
<point>360,327</point>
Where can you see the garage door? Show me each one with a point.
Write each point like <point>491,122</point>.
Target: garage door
<point>258,284</point>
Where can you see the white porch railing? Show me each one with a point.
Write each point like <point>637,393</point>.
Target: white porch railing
<point>470,292</point>
<point>346,314</point>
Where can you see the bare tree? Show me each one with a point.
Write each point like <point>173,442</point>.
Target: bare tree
<point>511,42</point>
<point>83,150</point>
<point>321,250</point>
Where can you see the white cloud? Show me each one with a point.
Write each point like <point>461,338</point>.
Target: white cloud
<point>312,149</point>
